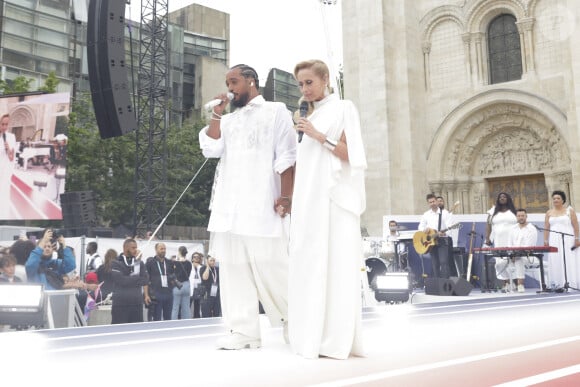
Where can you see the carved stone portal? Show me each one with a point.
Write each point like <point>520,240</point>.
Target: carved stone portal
<point>504,139</point>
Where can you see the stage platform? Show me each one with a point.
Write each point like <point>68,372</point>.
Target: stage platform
<point>482,339</point>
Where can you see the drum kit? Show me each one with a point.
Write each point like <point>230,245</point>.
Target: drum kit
<point>386,255</point>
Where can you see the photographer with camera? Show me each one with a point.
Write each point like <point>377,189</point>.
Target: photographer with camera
<point>50,260</point>
<point>161,282</point>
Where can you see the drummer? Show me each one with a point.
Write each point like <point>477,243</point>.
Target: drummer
<point>393,230</point>
<point>393,239</point>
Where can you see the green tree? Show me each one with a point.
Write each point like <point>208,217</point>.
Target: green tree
<point>18,85</point>
<point>107,167</point>
<point>50,83</point>
<point>184,160</point>
<point>104,166</point>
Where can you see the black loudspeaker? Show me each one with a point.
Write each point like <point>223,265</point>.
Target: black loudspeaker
<point>108,78</point>
<point>438,286</point>
<point>460,286</point>
<point>78,209</point>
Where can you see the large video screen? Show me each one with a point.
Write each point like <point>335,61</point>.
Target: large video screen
<point>32,155</point>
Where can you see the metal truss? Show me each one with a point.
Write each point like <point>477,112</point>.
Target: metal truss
<point>151,144</point>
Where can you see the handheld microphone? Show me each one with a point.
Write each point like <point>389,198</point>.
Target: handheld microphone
<point>215,102</point>
<point>303,113</point>
<point>574,248</point>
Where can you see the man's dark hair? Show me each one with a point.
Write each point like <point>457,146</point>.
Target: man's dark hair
<point>21,250</point>
<point>127,242</point>
<point>431,196</point>
<point>248,72</point>
<point>92,247</point>
<point>521,210</point>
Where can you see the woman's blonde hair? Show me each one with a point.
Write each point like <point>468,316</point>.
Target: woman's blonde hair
<point>319,67</point>
<point>321,70</point>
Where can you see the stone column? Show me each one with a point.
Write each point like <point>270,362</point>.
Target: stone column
<point>478,38</point>
<point>525,27</point>
<point>463,197</point>
<point>426,50</point>
<point>467,47</point>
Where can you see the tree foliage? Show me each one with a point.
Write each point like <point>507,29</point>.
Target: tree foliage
<point>104,166</point>
<point>107,167</point>
<point>184,160</point>
<point>18,85</point>
<point>50,83</point>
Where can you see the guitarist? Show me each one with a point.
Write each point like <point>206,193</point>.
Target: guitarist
<point>438,219</point>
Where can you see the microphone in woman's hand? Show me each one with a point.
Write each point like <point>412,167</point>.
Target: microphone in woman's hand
<point>303,113</point>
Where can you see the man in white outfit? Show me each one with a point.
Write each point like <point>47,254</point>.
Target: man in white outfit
<point>523,234</point>
<point>256,145</point>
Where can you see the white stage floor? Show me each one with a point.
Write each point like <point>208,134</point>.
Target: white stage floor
<point>479,340</point>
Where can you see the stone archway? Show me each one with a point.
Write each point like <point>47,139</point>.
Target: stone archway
<point>22,122</point>
<point>497,134</point>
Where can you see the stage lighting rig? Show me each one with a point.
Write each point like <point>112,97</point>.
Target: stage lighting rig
<point>22,305</point>
<point>392,287</point>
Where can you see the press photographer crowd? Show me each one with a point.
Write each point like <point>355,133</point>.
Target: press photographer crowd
<point>127,287</point>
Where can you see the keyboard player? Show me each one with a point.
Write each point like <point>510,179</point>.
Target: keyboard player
<point>522,234</point>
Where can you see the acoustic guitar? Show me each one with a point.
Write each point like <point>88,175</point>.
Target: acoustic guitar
<point>424,241</point>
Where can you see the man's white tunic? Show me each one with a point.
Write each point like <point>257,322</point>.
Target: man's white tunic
<point>257,143</point>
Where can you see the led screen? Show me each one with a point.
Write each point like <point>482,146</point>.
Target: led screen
<point>33,150</point>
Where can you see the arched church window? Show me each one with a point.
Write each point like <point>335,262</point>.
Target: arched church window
<point>505,58</point>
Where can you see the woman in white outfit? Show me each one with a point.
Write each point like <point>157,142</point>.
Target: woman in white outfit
<point>562,219</point>
<point>7,149</point>
<point>500,223</point>
<point>324,301</point>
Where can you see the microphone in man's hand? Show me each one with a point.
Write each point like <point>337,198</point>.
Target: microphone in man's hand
<point>574,248</point>
<point>218,101</point>
<point>303,113</point>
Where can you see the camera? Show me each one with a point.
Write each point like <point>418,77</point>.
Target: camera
<point>55,235</point>
<point>173,281</point>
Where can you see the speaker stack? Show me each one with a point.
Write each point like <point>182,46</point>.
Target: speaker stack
<point>78,212</point>
<point>108,75</point>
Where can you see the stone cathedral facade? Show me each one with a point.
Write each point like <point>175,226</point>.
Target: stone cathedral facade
<point>465,98</point>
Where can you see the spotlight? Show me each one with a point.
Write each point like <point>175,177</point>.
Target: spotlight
<point>392,287</point>
<point>22,305</point>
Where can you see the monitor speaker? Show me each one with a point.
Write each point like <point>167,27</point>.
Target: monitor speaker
<point>461,287</point>
<point>108,75</point>
<point>438,286</point>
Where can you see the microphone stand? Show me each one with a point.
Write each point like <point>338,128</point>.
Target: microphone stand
<point>566,284</point>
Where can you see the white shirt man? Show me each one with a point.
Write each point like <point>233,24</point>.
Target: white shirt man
<point>522,234</point>
<point>437,219</point>
<point>256,145</point>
